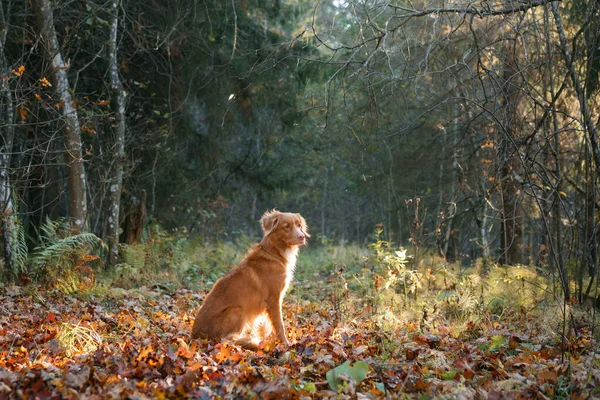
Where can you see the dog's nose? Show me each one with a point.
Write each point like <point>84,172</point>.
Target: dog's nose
<point>301,237</point>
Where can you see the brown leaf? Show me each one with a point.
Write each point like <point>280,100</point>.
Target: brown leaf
<point>77,376</point>
<point>411,352</point>
<point>547,375</point>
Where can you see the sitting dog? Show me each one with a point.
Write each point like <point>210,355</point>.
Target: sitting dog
<point>256,286</point>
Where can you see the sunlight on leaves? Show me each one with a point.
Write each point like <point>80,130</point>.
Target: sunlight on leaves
<point>78,339</point>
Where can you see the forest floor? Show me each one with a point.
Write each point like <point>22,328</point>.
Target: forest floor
<point>109,342</point>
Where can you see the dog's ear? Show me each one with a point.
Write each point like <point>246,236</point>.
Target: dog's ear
<point>269,221</point>
<point>304,226</point>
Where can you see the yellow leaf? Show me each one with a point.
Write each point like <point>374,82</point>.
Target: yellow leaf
<point>19,71</point>
<point>45,82</point>
<point>145,353</point>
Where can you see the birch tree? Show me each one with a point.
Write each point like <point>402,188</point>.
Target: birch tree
<point>70,120</point>
<point>7,133</point>
<point>118,97</point>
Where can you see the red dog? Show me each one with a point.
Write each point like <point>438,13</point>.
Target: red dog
<point>257,285</point>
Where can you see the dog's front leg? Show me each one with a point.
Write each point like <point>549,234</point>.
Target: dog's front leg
<point>274,311</point>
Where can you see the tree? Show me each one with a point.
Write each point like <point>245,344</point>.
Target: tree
<point>7,133</point>
<point>118,98</point>
<point>70,120</point>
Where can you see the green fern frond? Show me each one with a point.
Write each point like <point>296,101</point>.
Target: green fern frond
<point>134,255</point>
<point>49,231</point>
<point>20,250</point>
<point>16,241</point>
<point>57,253</point>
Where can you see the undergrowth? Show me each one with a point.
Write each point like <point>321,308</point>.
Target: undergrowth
<point>381,279</point>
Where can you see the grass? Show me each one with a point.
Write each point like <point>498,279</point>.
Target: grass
<point>78,339</point>
<point>350,279</point>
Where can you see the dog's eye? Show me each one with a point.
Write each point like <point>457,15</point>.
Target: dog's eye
<point>286,226</point>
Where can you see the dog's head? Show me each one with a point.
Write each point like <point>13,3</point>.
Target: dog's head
<point>289,228</point>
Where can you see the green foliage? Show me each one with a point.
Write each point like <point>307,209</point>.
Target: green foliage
<point>382,281</point>
<point>356,373</point>
<point>392,266</point>
<point>497,342</point>
<point>463,297</point>
<point>158,260</point>
<point>19,249</point>
<point>514,287</point>
<point>60,250</point>
<point>204,263</point>
<point>448,376</point>
<point>134,255</point>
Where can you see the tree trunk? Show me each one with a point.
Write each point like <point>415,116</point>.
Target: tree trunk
<point>70,120</point>
<point>7,132</point>
<point>512,210</point>
<point>590,129</point>
<point>133,220</point>
<point>118,104</point>
<point>555,239</point>
<point>588,123</point>
<point>324,194</point>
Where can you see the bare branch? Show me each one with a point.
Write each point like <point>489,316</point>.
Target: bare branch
<point>411,12</point>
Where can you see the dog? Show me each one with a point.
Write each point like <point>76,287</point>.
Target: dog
<point>255,288</point>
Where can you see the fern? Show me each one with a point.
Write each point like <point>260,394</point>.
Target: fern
<point>19,249</point>
<point>18,245</point>
<point>57,253</point>
<point>49,231</point>
<point>134,255</point>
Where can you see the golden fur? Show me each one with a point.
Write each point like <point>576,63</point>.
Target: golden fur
<point>257,285</point>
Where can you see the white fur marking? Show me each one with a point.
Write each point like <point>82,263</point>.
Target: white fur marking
<point>290,256</point>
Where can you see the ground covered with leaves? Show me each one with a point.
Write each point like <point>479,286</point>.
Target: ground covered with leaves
<point>135,343</point>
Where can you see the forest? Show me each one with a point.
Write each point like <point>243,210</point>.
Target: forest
<point>444,154</point>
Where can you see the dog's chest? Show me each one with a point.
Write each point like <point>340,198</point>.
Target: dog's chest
<point>290,256</point>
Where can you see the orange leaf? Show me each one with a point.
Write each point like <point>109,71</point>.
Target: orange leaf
<point>51,317</point>
<point>102,103</point>
<point>22,113</point>
<point>88,130</point>
<point>45,82</point>
<point>225,353</point>
<point>19,71</point>
<point>145,353</point>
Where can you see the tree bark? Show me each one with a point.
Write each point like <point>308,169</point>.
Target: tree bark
<point>70,120</point>
<point>512,210</point>
<point>118,104</point>
<point>133,220</point>
<point>7,132</point>
<point>588,123</point>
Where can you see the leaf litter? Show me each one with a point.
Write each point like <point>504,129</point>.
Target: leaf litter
<point>137,344</point>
